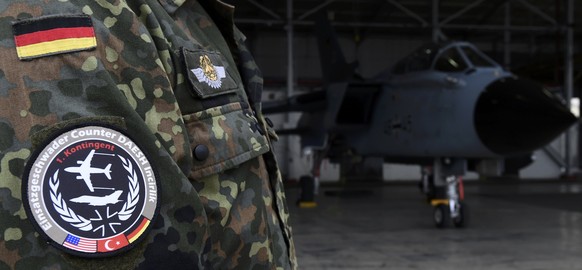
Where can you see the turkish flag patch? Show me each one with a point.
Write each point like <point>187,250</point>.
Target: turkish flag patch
<point>50,35</point>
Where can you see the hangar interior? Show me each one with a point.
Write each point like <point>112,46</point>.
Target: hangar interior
<point>532,38</point>
<point>513,224</point>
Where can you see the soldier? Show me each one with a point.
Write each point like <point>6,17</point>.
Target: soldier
<point>131,136</point>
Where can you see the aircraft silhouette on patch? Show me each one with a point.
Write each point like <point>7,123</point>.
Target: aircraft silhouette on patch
<point>85,170</point>
<point>112,198</point>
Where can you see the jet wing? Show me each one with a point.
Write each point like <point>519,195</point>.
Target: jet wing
<point>87,162</point>
<point>87,178</point>
<point>310,102</point>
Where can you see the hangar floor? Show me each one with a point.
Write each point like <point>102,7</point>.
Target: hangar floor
<point>513,225</point>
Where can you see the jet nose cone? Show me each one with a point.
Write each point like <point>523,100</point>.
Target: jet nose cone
<point>516,115</point>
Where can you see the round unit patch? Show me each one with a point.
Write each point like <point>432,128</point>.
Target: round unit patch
<point>91,191</point>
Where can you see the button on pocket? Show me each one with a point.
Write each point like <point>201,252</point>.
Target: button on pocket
<point>200,152</point>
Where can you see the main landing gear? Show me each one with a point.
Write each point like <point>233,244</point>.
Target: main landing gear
<point>310,183</point>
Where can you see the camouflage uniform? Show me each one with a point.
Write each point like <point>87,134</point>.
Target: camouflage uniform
<point>221,212</point>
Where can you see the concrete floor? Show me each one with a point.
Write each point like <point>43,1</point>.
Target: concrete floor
<point>512,226</point>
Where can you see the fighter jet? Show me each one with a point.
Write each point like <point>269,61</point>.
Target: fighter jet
<point>112,198</point>
<point>447,105</point>
<point>85,170</point>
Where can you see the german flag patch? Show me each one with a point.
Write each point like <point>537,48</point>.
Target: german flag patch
<point>52,35</point>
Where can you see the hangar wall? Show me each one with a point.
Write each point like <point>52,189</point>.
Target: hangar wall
<point>374,53</point>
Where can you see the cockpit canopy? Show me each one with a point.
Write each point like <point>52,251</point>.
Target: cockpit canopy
<point>450,57</point>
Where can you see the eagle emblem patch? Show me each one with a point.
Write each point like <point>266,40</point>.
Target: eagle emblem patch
<point>91,191</point>
<point>209,73</point>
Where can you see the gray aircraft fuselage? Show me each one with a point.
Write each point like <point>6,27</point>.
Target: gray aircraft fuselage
<point>446,100</point>
<point>427,114</point>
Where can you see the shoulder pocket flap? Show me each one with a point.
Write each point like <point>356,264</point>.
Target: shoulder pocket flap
<point>208,73</point>
<point>222,138</point>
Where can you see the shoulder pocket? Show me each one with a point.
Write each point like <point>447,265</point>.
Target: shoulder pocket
<point>208,73</point>
<point>222,138</point>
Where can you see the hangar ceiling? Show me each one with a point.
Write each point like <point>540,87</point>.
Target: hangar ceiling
<point>456,18</point>
<point>536,27</point>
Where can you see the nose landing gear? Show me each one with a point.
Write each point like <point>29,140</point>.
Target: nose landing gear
<point>452,208</point>
<point>446,194</point>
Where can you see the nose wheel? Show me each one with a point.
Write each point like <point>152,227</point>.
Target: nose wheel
<point>462,219</point>
<point>452,209</point>
<point>442,215</point>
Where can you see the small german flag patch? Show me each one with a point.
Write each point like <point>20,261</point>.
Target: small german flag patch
<point>52,35</point>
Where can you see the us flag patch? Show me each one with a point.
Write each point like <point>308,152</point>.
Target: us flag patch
<point>52,35</point>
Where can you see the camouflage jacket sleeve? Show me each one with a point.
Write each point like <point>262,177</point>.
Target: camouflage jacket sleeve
<point>122,79</point>
<point>175,78</point>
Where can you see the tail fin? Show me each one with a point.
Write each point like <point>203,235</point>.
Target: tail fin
<point>333,63</point>
<point>107,171</point>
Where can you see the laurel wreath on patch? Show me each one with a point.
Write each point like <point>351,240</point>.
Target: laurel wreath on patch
<point>61,207</point>
<point>133,194</point>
